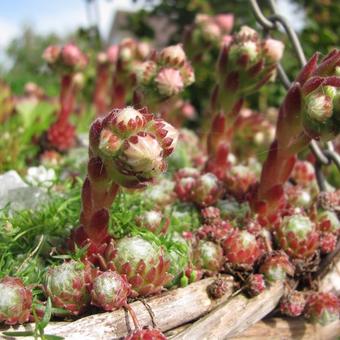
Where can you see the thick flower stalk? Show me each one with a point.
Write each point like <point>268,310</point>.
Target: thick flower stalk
<point>66,61</point>
<point>308,112</point>
<point>105,60</point>
<point>127,148</point>
<point>161,79</point>
<point>130,54</point>
<point>15,301</point>
<point>246,63</point>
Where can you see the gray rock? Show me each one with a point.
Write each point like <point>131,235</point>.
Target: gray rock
<point>15,192</point>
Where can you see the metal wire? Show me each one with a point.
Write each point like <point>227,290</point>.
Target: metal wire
<point>274,21</point>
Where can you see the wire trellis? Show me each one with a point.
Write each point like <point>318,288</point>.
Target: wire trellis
<point>325,156</point>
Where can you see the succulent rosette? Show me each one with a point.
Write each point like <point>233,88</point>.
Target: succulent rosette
<point>144,264</point>
<point>206,190</point>
<point>247,63</point>
<point>208,256</point>
<point>110,291</point>
<point>256,284</point>
<point>68,286</point>
<point>276,266</point>
<point>154,221</point>
<point>241,249</point>
<point>15,301</point>
<point>297,236</point>
<point>308,112</point>
<point>327,221</point>
<point>127,148</point>
<point>127,57</point>
<point>146,334</point>
<point>322,308</point>
<point>162,77</point>
<point>239,179</point>
<point>293,303</point>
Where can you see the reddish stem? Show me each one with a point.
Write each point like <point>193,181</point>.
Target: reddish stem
<point>67,97</point>
<point>101,88</point>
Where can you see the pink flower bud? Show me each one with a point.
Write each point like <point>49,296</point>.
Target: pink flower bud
<point>173,55</point>
<point>112,54</point>
<point>202,18</point>
<point>145,72</point>
<point>71,54</point>
<point>109,143</point>
<point>127,120</point>
<point>273,49</point>
<point>141,155</point>
<point>52,53</point>
<point>143,50</point>
<point>166,134</point>
<point>169,82</point>
<point>102,58</point>
<point>211,32</point>
<point>188,75</point>
<point>225,22</point>
<point>319,106</point>
<point>246,33</point>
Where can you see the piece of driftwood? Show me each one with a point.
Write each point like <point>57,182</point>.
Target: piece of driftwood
<point>330,281</point>
<point>289,329</point>
<point>170,309</point>
<point>233,317</point>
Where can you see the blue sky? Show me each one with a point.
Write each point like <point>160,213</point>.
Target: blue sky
<point>62,16</point>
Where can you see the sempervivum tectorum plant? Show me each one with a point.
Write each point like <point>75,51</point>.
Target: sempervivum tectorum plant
<point>239,179</point>
<point>127,148</point>
<point>208,256</point>
<point>161,79</point>
<point>66,60</point>
<point>206,33</point>
<point>327,221</point>
<point>68,285</point>
<point>322,308</point>
<point>241,249</point>
<point>245,64</point>
<point>293,303</point>
<point>185,180</point>
<point>129,55</point>
<point>154,221</point>
<point>256,284</point>
<point>206,190</point>
<point>110,291</point>
<point>303,173</point>
<point>105,61</point>
<point>15,301</point>
<point>144,264</point>
<point>306,113</point>
<point>276,266</point>
<point>297,236</point>
<point>146,334</point>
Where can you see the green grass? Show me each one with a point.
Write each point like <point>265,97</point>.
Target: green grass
<point>32,240</point>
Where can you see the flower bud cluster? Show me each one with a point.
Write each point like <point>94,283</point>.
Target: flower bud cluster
<point>167,74</point>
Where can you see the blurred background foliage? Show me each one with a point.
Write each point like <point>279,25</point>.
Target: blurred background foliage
<point>320,32</point>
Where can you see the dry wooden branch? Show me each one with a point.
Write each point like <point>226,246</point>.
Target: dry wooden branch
<point>171,310</point>
<point>279,329</point>
<point>330,281</point>
<point>234,316</point>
